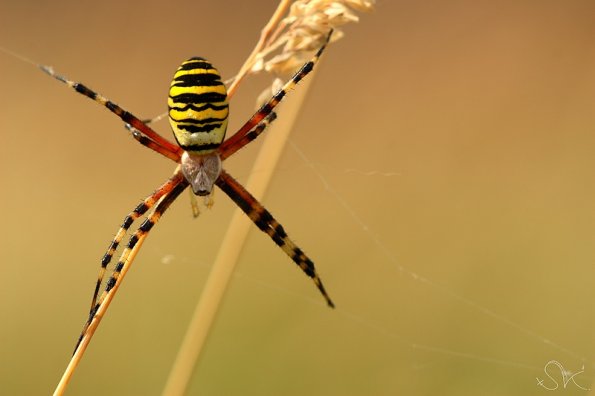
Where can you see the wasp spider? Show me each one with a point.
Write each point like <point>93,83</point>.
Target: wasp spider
<point>198,111</point>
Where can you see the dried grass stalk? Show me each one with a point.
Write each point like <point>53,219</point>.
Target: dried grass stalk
<point>284,45</point>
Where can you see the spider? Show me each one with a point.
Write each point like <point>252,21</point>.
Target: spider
<point>198,112</point>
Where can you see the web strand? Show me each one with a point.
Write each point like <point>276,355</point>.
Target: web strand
<point>391,258</point>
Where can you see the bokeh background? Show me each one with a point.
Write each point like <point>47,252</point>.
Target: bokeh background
<point>448,199</point>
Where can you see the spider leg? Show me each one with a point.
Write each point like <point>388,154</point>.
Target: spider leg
<point>266,223</point>
<point>237,141</point>
<point>177,186</point>
<point>162,145</point>
<point>147,142</point>
<point>252,134</point>
<point>140,210</point>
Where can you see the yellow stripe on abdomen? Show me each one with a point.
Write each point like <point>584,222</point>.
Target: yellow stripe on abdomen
<point>198,106</point>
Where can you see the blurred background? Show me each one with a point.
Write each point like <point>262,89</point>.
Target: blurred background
<point>447,198</point>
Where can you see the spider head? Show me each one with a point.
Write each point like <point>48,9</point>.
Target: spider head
<point>201,171</point>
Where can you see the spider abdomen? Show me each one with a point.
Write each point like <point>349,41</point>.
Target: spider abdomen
<point>198,106</point>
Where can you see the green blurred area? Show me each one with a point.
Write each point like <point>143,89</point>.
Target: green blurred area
<point>453,224</point>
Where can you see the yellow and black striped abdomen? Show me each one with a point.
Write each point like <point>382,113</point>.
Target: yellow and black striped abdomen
<point>198,106</point>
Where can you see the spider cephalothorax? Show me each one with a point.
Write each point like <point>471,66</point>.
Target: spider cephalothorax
<point>201,171</point>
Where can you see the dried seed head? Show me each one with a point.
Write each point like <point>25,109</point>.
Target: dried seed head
<point>304,30</point>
